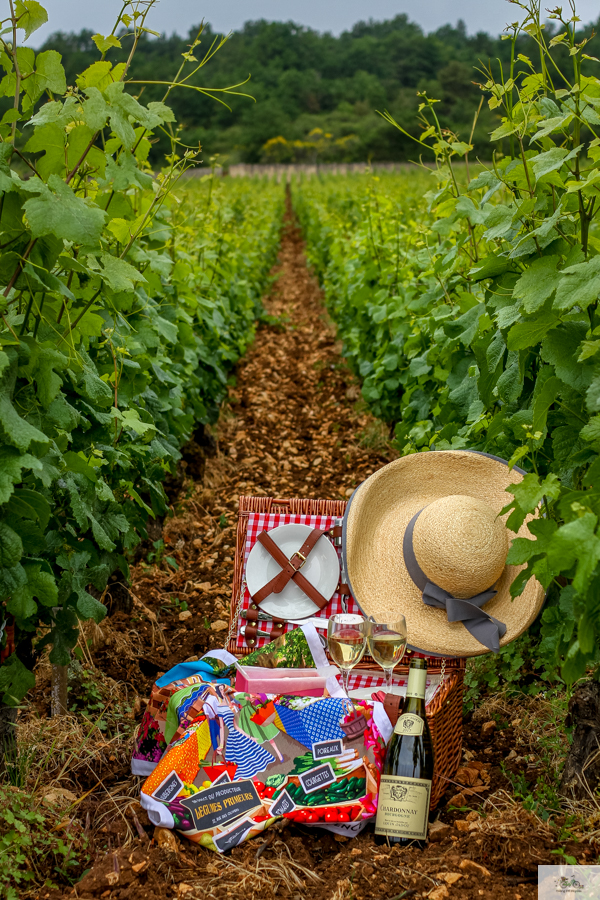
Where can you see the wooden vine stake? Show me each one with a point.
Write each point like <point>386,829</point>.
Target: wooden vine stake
<point>581,774</point>
<point>58,691</point>
<point>58,685</point>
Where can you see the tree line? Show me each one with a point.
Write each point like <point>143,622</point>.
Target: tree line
<point>302,80</point>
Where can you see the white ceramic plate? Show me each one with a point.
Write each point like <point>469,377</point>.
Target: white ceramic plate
<point>322,569</point>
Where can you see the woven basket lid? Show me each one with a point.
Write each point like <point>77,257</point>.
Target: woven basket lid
<point>450,501</point>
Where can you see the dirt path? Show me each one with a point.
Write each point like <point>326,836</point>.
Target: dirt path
<point>294,426</point>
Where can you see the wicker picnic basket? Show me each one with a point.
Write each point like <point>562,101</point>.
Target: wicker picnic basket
<point>444,712</point>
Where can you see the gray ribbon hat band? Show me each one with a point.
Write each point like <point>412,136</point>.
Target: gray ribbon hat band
<point>484,628</point>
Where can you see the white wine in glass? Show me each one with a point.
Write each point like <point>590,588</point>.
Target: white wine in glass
<point>387,643</point>
<point>347,640</point>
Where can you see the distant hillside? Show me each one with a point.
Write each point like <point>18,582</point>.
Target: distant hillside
<point>302,80</point>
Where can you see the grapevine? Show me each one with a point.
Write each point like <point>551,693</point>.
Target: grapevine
<point>471,314</point>
<point>125,302</point>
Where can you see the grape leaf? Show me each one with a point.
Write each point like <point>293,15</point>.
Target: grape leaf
<point>18,431</point>
<point>577,543</point>
<point>124,173</point>
<point>31,15</point>
<point>41,584</point>
<point>551,160</point>
<point>118,274</point>
<point>510,383</point>
<point>51,139</point>
<point>579,285</point>
<point>591,431</point>
<point>131,419</point>
<point>537,283</point>
<point>11,465</point>
<point>543,400</point>
<point>61,213</point>
<point>529,333</point>
<point>105,43</point>
<point>531,490</point>
<point>560,349</point>
<point>56,113</point>
<point>49,75</point>
<point>29,504</point>
<point>95,109</point>
<point>15,680</point>
<point>11,547</point>
<point>62,414</point>
<point>99,75</point>
<point>77,463</point>
<point>90,608</point>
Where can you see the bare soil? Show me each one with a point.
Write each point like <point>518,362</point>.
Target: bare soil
<point>294,425</point>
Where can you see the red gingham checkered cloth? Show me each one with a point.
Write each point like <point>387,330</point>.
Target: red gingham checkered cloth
<point>361,678</point>
<point>258,522</point>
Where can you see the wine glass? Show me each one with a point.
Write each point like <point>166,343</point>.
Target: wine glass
<point>387,643</point>
<point>347,639</point>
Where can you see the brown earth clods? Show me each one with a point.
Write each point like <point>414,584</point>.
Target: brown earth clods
<point>294,426</point>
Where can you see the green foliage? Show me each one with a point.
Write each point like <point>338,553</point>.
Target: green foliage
<point>98,700</point>
<point>157,556</point>
<point>302,80</point>
<point>31,848</point>
<point>516,669</point>
<point>544,729</point>
<point>125,300</point>
<point>472,315</point>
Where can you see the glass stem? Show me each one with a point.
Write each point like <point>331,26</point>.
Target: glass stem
<point>345,674</point>
<point>388,678</point>
<point>345,677</point>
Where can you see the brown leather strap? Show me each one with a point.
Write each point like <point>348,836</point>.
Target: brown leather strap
<point>289,569</point>
<point>343,589</point>
<point>251,632</point>
<point>252,615</point>
<point>393,705</point>
<point>250,635</point>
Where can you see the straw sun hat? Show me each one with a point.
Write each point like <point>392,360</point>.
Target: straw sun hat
<point>423,538</point>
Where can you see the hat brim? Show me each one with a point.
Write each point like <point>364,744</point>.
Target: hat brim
<point>377,517</point>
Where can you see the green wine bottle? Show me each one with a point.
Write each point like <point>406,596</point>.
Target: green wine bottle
<point>405,788</point>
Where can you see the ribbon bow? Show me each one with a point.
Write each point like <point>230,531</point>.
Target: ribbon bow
<point>484,628</point>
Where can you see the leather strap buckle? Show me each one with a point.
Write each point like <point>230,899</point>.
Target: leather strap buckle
<point>301,556</point>
<point>289,569</point>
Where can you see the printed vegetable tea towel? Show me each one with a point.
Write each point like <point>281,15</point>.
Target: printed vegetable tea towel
<point>178,696</point>
<point>176,700</point>
<point>248,759</point>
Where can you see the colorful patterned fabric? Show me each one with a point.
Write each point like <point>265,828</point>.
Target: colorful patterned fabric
<point>228,777</point>
<point>317,722</point>
<point>250,756</point>
<point>173,707</point>
<point>322,719</point>
<point>258,522</point>
<point>293,725</point>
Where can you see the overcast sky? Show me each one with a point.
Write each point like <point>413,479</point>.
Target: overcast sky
<point>324,15</point>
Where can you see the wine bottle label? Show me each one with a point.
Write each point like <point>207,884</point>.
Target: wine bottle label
<point>403,807</point>
<point>409,724</point>
<point>417,680</point>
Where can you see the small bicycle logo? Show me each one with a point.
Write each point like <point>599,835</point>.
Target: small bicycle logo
<point>563,883</point>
